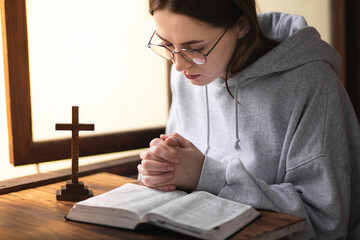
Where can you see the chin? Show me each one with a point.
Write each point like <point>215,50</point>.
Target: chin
<point>200,82</point>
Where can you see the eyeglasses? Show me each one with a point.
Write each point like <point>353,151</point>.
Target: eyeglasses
<point>192,56</point>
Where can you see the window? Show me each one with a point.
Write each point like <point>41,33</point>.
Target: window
<point>21,105</point>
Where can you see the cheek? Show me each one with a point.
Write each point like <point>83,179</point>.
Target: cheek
<point>218,65</point>
<point>215,69</point>
<point>219,61</point>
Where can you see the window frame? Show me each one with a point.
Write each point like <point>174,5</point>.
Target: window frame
<point>23,149</point>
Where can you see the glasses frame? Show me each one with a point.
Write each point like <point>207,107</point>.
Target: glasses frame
<point>180,52</point>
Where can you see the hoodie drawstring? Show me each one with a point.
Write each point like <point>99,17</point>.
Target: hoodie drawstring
<point>237,140</point>
<point>208,122</point>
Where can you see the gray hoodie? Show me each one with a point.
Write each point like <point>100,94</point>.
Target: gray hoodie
<point>292,145</point>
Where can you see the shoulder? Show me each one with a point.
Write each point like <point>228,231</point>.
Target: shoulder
<point>312,78</point>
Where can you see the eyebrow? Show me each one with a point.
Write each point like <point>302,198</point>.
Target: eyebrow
<point>184,43</point>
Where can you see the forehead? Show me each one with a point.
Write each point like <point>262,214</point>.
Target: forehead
<point>179,28</point>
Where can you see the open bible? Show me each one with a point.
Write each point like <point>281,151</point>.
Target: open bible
<point>199,214</point>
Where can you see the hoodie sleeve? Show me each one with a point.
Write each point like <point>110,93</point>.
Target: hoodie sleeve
<point>314,197</point>
<point>317,182</point>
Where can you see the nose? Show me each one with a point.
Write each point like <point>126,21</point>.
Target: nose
<point>181,63</point>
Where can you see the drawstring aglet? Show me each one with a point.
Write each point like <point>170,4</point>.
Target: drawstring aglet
<point>237,145</point>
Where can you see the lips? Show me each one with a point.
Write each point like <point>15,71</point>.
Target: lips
<point>191,76</point>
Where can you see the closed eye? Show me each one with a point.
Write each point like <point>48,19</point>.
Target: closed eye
<point>197,50</point>
<point>168,45</point>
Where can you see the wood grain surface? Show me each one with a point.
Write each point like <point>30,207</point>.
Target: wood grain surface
<point>36,214</point>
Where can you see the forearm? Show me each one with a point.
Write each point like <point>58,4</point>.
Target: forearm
<point>316,199</point>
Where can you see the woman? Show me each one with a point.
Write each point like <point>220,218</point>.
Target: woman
<point>258,114</point>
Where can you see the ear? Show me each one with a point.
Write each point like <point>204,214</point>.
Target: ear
<point>243,26</point>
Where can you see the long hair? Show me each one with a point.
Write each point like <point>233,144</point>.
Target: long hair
<point>225,13</point>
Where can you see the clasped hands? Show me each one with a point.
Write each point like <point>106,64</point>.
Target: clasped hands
<point>171,161</point>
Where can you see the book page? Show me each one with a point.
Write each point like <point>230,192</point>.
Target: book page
<point>121,207</point>
<point>201,211</point>
<point>136,198</point>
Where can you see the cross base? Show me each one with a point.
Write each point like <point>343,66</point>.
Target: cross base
<point>74,192</point>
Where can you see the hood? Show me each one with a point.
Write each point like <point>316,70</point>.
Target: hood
<point>300,44</point>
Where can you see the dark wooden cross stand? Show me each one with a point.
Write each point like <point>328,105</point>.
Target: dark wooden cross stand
<point>74,190</point>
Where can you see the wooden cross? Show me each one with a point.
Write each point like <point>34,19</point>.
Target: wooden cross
<point>74,190</point>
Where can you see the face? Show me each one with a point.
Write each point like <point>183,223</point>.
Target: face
<point>182,32</point>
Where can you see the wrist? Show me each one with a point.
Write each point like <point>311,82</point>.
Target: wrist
<point>197,172</point>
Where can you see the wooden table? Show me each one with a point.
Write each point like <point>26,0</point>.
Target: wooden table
<point>36,214</point>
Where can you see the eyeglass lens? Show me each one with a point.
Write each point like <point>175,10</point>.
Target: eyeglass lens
<point>189,55</point>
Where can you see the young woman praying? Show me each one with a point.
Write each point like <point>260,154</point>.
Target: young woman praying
<point>258,114</point>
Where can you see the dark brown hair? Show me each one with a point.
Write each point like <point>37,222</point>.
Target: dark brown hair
<point>225,13</point>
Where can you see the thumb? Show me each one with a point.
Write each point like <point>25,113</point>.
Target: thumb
<point>170,141</point>
<point>179,140</point>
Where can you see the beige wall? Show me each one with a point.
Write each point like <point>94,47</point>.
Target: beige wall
<point>316,12</point>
